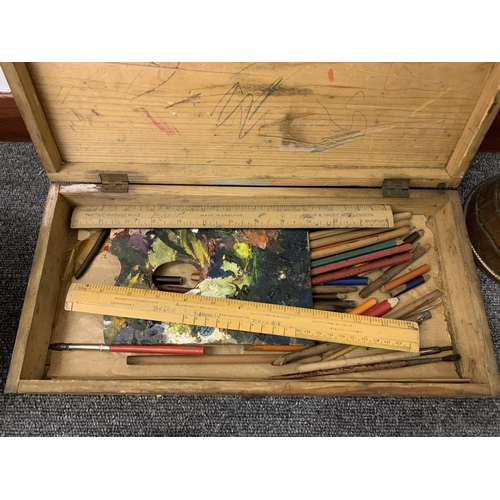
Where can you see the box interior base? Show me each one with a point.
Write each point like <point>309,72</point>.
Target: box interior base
<point>458,319</point>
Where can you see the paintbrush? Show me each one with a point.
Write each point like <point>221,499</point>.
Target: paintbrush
<point>146,349</point>
<point>388,365</point>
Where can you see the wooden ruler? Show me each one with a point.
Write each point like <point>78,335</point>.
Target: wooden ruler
<point>240,217</point>
<point>256,317</point>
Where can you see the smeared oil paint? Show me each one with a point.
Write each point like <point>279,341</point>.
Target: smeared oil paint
<point>330,75</point>
<point>256,265</point>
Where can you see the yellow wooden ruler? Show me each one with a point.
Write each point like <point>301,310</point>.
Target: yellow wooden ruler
<point>240,217</point>
<point>256,317</point>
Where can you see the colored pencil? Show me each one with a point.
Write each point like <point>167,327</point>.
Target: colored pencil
<point>379,238</point>
<point>422,301</point>
<point>401,280</point>
<point>355,253</point>
<point>365,306</point>
<point>348,281</point>
<point>393,271</point>
<point>413,237</point>
<point>410,285</point>
<point>383,308</point>
<point>354,271</point>
<point>362,259</point>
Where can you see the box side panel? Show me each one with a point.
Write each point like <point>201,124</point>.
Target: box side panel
<point>262,388</point>
<point>30,349</point>
<point>479,122</point>
<point>465,308</point>
<point>302,123</point>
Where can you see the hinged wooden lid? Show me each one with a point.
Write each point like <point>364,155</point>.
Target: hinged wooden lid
<point>289,124</point>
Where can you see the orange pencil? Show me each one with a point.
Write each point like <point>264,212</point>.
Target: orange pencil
<point>368,304</point>
<point>405,278</point>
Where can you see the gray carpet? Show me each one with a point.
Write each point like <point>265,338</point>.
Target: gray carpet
<point>23,190</point>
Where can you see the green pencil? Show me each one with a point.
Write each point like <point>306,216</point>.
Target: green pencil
<point>356,253</point>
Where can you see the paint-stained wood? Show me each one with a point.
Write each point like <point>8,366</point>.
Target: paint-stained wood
<point>260,123</point>
<point>33,115</point>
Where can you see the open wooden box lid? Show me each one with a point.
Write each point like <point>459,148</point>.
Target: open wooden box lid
<point>262,124</point>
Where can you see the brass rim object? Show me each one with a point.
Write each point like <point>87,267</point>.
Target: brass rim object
<point>477,257</point>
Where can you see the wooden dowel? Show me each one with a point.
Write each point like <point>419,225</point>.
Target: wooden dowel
<point>275,348</point>
<point>333,289</point>
<point>354,235</point>
<point>184,360</point>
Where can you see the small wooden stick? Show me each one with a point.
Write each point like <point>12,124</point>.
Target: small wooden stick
<point>340,352</point>
<point>305,353</point>
<point>333,289</point>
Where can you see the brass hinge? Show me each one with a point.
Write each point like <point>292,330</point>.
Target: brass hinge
<point>114,183</point>
<point>396,188</point>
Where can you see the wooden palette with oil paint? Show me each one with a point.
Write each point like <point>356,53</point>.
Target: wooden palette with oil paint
<point>257,265</point>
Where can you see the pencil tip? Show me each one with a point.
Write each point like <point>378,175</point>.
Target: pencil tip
<point>278,362</point>
<point>393,301</point>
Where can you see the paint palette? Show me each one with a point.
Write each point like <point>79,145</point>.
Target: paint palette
<point>269,266</point>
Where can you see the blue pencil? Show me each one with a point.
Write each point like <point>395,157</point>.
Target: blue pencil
<point>349,281</point>
<point>409,285</point>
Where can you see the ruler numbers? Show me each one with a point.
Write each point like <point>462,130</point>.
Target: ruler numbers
<point>244,316</point>
<point>258,216</point>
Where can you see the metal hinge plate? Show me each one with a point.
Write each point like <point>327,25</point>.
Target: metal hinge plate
<point>396,188</point>
<point>114,183</point>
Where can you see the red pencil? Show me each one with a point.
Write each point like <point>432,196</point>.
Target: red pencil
<point>382,308</point>
<point>361,259</point>
<point>355,271</point>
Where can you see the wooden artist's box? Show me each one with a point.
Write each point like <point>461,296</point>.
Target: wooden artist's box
<point>402,134</point>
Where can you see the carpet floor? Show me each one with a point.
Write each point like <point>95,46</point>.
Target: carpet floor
<point>23,189</point>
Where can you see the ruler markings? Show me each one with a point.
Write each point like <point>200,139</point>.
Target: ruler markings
<point>244,316</point>
<point>261,216</point>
